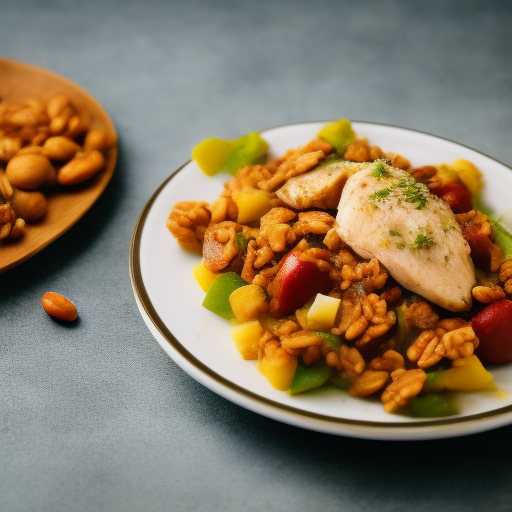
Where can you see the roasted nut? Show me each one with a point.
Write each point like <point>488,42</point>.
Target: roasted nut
<point>5,187</point>
<point>406,385</point>
<point>9,147</point>
<point>58,306</point>
<point>368,383</point>
<point>57,105</point>
<point>28,171</point>
<point>81,168</point>
<point>98,139</point>
<point>78,125</point>
<point>60,148</point>
<point>29,205</point>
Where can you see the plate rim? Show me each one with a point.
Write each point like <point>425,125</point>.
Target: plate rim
<point>420,429</point>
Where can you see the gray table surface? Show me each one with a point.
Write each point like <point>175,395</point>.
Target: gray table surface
<point>96,416</point>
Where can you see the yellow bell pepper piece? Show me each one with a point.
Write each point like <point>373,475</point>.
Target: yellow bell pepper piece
<point>211,154</point>
<point>469,376</point>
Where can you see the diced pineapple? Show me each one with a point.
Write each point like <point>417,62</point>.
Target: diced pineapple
<point>278,367</point>
<point>248,302</point>
<point>252,204</point>
<point>246,337</point>
<point>470,376</point>
<point>203,276</point>
<point>322,314</point>
<point>469,175</point>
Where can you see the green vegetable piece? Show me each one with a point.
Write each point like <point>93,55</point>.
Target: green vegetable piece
<point>217,297</point>
<point>431,406</point>
<point>402,326</point>
<point>249,149</point>
<point>310,377</point>
<point>214,155</point>
<point>433,382</point>
<point>338,381</point>
<point>502,237</point>
<point>338,134</point>
<point>330,340</point>
<point>242,241</point>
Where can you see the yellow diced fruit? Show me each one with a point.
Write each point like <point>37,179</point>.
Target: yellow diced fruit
<point>203,276</point>
<point>469,174</point>
<point>246,337</point>
<point>446,174</point>
<point>279,368</point>
<point>252,204</point>
<point>470,376</point>
<point>211,154</point>
<point>322,314</point>
<point>247,302</point>
<point>302,314</point>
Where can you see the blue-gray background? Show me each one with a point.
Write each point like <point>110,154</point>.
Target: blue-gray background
<point>96,416</point>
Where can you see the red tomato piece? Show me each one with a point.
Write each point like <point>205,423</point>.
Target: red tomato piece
<point>295,283</point>
<point>480,245</point>
<point>493,327</point>
<point>456,195</point>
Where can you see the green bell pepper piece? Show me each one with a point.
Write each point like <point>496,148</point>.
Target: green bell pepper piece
<point>330,340</point>
<point>339,382</point>
<point>338,134</point>
<point>310,377</point>
<point>249,149</point>
<point>217,297</point>
<point>431,406</point>
<point>502,237</point>
<point>214,155</point>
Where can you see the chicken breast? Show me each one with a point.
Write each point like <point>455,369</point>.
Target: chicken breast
<point>319,188</point>
<point>385,213</point>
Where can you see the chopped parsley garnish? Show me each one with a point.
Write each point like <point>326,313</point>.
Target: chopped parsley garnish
<point>412,191</point>
<point>380,194</point>
<point>415,195</point>
<point>380,172</point>
<point>424,240</point>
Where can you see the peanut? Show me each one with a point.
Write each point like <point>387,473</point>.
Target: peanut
<point>9,146</point>
<point>78,125</point>
<point>5,187</point>
<point>57,105</point>
<point>60,148</point>
<point>58,306</point>
<point>29,205</point>
<point>28,171</point>
<point>81,168</point>
<point>98,139</point>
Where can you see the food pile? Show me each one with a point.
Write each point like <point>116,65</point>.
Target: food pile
<point>341,264</point>
<point>43,146</point>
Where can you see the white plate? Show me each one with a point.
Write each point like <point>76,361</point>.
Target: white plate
<point>169,300</point>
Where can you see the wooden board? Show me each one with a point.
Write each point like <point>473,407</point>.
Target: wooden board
<point>68,205</point>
